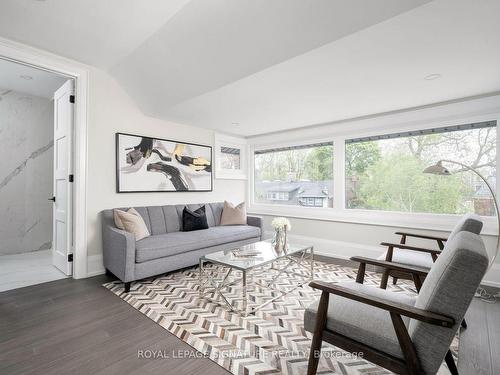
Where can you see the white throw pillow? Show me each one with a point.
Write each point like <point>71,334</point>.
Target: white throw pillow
<point>233,215</point>
<point>118,221</point>
<point>132,222</point>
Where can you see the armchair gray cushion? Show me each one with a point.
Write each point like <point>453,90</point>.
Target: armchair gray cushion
<point>363,323</point>
<point>448,289</point>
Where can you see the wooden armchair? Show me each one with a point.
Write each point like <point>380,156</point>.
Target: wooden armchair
<point>407,335</point>
<point>422,257</point>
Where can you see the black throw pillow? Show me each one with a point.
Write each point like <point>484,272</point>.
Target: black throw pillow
<point>194,220</point>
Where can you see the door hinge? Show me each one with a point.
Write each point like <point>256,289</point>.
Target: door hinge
<point>71,178</point>
<point>71,98</point>
<point>70,257</point>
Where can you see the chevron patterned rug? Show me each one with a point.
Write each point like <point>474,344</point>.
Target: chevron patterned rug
<point>273,341</point>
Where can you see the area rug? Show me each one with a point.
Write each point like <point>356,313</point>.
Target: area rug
<point>273,341</point>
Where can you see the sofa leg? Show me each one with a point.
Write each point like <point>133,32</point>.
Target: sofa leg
<point>108,273</point>
<point>127,287</point>
<point>464,324</point>
<point>394,280</point>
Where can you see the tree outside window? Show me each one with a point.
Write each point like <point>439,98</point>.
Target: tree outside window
<point>386,174</point>
<point>295,175</point>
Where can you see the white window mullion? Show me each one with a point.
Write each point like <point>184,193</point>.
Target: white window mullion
<point>338,173</point>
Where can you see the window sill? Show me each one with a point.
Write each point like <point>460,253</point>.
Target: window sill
<point>409,220</point>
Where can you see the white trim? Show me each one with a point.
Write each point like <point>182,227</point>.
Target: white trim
<point>235,142</point>
<point>345,250</point>
<point>434,222</point>
<point>95,265</point>
<point>40,59</point>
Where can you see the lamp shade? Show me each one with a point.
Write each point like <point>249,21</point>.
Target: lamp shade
<point>437,169</point>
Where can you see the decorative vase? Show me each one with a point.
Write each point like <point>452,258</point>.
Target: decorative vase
<point>280,239</point>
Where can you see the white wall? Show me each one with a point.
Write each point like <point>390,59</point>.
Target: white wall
<point>344,233</point>
<point>111,111</point>
<point>26,154</point>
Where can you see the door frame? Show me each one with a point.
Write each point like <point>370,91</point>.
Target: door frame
<point>26,55</point>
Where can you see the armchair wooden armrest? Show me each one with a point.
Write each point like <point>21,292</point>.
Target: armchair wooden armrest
<point>424,236</point>
<point>440,240</point>
<point>392,266</point>
<point>433,252</point>
<point>417,273</point>
<point>392,307</point>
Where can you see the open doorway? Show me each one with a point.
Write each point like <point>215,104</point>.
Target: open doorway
<point>35,195</point>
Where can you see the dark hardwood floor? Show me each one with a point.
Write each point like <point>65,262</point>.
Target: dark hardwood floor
<point>78,327</point>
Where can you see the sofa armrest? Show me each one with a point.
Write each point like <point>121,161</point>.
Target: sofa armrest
<point>119,252</point>
<point>256,221</point>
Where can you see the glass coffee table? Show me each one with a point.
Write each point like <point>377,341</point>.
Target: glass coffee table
<point>250,261</point>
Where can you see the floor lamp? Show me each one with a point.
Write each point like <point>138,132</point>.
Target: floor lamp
<point>439,169</point>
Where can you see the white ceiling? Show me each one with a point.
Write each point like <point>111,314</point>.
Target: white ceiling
<point>210,44</point>
<point>272,65</point>
<point>96,32</point>
<point>376,70</point>
<point>42,83</point>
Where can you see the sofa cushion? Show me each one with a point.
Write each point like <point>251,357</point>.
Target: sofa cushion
<point>364,323</point>
<point>164,245</point>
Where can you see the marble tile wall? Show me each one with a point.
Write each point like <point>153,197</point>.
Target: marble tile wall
<point>26,154</point>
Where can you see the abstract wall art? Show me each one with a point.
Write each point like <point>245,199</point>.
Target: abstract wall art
<point>145,164</point>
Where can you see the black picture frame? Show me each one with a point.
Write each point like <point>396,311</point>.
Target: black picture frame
<point>119,187</point>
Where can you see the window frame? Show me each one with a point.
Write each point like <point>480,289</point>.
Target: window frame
<point>251,167</point>
<point>339,212</point>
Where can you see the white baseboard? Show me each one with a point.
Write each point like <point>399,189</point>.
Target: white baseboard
<point>95,265</point>
<point>345,250</point>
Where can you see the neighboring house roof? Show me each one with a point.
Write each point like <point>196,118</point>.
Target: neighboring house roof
<point>287,187</point>
<point>314,191</point>
<point>307,189</point>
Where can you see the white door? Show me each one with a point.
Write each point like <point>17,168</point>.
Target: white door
<point>62,225</point>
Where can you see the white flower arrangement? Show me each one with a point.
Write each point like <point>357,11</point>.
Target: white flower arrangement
<point>279,223</point>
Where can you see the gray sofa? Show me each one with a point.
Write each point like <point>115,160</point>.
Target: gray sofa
<point>168,248</point>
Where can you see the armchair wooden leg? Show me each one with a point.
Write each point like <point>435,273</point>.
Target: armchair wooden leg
<point>360,277</point>
<point>385,275</point>
<point>417,281</point>
<point>385,279</point>
<point>451,363</point>
<point>315,353</point>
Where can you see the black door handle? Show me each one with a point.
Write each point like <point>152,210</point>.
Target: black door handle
<point>53,199</point>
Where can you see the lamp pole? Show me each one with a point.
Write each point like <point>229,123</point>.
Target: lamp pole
<point>492,194</point>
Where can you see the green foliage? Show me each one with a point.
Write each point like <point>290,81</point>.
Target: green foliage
<point>319,164</point>
<point>396,183</point>
<point>311,163</point>
<point>360,156</point>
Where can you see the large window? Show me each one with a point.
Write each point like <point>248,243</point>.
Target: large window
<point>298,175</point>
<point>385,172</point>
